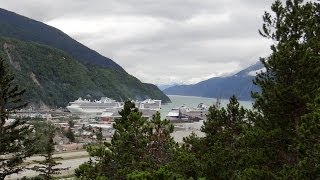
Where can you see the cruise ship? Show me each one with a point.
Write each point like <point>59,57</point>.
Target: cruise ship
<point>186,114</point>
<point>149,104</point>
<point>108,109</point>
<point>96,107</point>
<point>148,108</point>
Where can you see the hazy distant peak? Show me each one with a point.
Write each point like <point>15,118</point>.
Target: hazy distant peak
<point>239,84</point>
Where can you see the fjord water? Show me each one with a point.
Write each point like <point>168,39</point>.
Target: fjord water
<point>185,129</point>
<point>192,101</point>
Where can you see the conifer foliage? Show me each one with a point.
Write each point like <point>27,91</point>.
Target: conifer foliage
<point>69,134</point>
<point>278,139</point>
<point>290,91</point>
<point>16,138</point>
<point>47,168</point>
<point>218,154</point>
<point>138,145</point>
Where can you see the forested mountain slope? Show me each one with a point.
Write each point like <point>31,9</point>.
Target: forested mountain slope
<point>26,29</point>
<point>62,69</point>
<point>54,78</point>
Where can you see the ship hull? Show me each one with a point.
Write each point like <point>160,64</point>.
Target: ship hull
<point>76,110</point>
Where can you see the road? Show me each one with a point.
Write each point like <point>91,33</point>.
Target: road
<point>72,160</point>
<point>65,155</point>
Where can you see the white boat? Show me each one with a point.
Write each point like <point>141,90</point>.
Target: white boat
<point>184,113</point>
<point>149,104</point>
<point>148,108</point>
<point>177,114</point>
<point>84,106</point>
<point>110,113</point>
<point>200,111</point>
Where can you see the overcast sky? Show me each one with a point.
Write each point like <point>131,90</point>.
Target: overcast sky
<point>161,41</point>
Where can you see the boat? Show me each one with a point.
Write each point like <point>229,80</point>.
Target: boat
<point>96,107</point>
<point>199,112</point>
<point>149,104</point>
<point>108,109</point>
<point>186,114</point>
<point>148,108</point>
<point>110,113</point>
<point>177,114</point>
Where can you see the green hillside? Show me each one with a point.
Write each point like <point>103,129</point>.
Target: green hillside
<point>23,28</point>
<point>53,78</point>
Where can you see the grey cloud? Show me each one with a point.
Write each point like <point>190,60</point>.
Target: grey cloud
<point>171,9</point>
<point>163,42</point>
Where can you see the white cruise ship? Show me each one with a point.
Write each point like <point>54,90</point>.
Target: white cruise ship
<point>147,107</point>
<point>149,104</point>
<point>84,106</point>
<point>184,113</point>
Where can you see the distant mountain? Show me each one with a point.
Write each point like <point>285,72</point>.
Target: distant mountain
<point>163,87</point>
<point>239,84</point>
<point>55,69</point>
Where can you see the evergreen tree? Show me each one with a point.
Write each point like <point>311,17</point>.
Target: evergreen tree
<point>99,135</point>
<point>125,153</point>
<point>16,138</point>
<point>47,167</point>
<point>160,143</point>
<point>223,130</point>
<point>89,170</point>
<point>189,158</point>
<point>288,133</point>
<point>40,133</point>
<point>217,155</point>
<point>160,174</point>
<point>129,142</point>
<point>69,133</point>
<point>138,145</point>
<point>71,123</point>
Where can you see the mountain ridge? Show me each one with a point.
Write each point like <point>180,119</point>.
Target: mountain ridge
<point>53,78</point>
<point>239,84</point>
<point>26,29</point>
<point>30,46</point>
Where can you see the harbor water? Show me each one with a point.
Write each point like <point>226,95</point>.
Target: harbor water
<point>192,101</point>
<point>185,129</point>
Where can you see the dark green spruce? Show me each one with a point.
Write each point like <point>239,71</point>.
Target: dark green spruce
<point>277,139</point>
<point>289,131</point>
<point>16,137</point>
<point>69,134</point>
<point>218,154</point>
<point>137,146</point>
<point>99,135</point>
<point>47,168</point>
